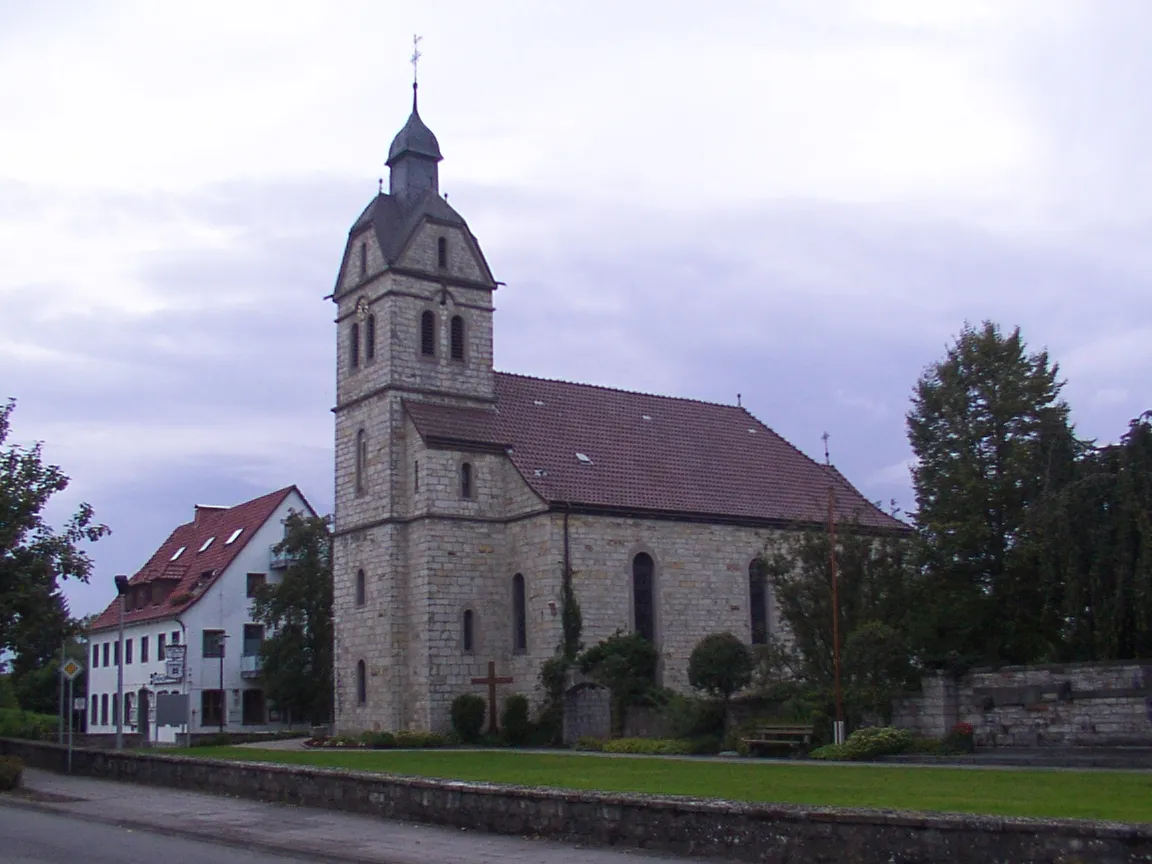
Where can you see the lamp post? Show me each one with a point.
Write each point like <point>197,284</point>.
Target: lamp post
<point>121,589</point>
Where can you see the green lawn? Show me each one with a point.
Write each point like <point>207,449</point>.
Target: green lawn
<point>1118,795</point>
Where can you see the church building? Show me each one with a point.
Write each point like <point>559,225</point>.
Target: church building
<point>463,493</point>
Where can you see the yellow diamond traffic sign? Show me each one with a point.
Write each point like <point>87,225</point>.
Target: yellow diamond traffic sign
<point>71,669</point>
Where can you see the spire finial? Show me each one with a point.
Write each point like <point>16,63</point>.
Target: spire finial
<point>415,61</point>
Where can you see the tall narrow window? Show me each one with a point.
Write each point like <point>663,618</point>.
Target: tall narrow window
<point>116,653</point>
<point>160,647</point>
<point>758,602</point>
<point>94,717</point>
<point>363,260</point>
<point>360,587</point>
<point>361,683</point>
<point>370,338</point>
<point>103,709</point>
<point>128,652</point>
<point>457,337</point>
<point>643,609</point>
<point>428,333</point>
<point>95,656</point>
<point>361,459</point>
<point>469,635</point>
<point>105,651</point>
<point>466,480</point>
<point>143,649</point>
<point>442,251</point>
<point>354,346</point>
<point>416,475</point>
<point>519,615</point>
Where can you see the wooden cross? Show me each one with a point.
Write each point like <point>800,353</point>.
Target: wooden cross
<point>492,681</point>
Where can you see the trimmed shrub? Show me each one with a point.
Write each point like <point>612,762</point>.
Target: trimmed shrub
<point>705,745</point>
<point>468,711</point>
<point>864,744</point>
<point>24,724</point>
<point>691,717</point>
<point>220,739</point>
<point>649,746</point>
<point>379,740</point>
<point>587,742</point>
<point>414,740</point>
<point>720,665</point>
<point>515,721</point>
<point>11,770</point>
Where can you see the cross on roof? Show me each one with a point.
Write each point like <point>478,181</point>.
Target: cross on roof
<point>415,61</point>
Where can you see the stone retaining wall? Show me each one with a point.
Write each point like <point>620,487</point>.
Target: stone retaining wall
<point>744,832</point>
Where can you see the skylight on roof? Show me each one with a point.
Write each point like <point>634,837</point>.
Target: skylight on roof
<point>583,458</point>
<point>177,553</point>
<point>234,535</point>
<point>645,416</point>
<point>541,472</point>
<point>751,431</point>
<point>538,402</point>
<point>207,543</point>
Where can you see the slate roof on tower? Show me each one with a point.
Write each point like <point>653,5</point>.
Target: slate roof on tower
<point>616,450</point>
<point>185,576</point>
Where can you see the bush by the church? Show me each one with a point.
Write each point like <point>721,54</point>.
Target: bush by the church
<point>720,665</point>
<point>649,746</point>
<point>468,711</point>
<point>515,722</point>
<point>379,740</point>
<point>864,744</point>
<point>420,740</point>
<point>692,717</point>
<point>11,770</point>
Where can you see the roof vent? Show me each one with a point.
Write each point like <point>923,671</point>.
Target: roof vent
<point>539,403</point>
<point>541,472</point>
<point>583,459</point>
<point>207,543</point>
<point>751,431</point>
<point>177,553</point>
<point>232,538</point>
<point>645,417</point>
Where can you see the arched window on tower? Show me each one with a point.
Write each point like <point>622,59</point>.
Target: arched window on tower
<point>758,602</point>
<point>354,346</point>
<point>370,338</point>
<point>519,615</point>
<point>360,589</point>
<point>469,626</point>
<point>361,460</point>
<point>361,683</point>
<point>442,251</point>
<point>643,605</point>
<point>428,333</point>
<point>457,337</point>
<point>466,480</point>
<point>363,260</point>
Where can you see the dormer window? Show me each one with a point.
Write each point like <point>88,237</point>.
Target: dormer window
<point>457,337</point>
<point>442,251</point>
<point>428,333</point>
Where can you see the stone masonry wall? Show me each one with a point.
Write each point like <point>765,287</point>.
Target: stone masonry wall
<point>759,832</point>
<point>1082,704</point>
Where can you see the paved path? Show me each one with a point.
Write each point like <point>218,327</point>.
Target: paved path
<point>301,832</point>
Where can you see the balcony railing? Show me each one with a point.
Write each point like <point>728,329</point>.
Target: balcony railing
<point>250,665</point>
<point>278,560</point>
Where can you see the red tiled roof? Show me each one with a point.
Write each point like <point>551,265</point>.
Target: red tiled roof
<point>192,566</point>
<point>656,454</point>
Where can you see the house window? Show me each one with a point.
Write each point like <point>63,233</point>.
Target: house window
<point>758,602</point>
<point>213,643</point>
<point>103,709</point>
<point>519,615</point>
<point>363,260</point>
<point>361,459</point>
<point>160,647</point>
<point>116,653</point>
<point>428,334</point>
<point>127,652</point>
<point>106,663</point>
<point>95,656</point>
<point>442,251</point>
<point>175,637</point>
<point>143,649</point>
<point>253,639</point>
<point>469,626</point>
<point>94,716</point>
<point>361,683</point>
<point>253,713</point>
<point>128,718</point>
<point>115,710</point>
<point>457,337</point>
<point>360,588</point>
<point>466,480</point>
<point>370,338</point>
<point>643,608</point>
<point>354,346</point>
<point>211,707</point>
<point>254,583</point>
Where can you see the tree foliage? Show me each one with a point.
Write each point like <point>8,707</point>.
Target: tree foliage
<point>720,665</point>
<point>34,558</point>
<point>992,440</point>
<point>625,663</point>
<point>297,656</point>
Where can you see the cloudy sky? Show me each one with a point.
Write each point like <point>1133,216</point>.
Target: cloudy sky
<point>798,201</point>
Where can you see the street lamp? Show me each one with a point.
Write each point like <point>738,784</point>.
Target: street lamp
<point>122,590</point>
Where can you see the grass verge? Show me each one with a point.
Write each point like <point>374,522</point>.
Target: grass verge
<point>1115,795</point>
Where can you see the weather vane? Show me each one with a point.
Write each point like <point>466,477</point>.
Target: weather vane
<point>415,55</point>
<point>825,438</point>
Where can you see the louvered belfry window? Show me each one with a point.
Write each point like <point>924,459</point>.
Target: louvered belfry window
<point>428,334</point>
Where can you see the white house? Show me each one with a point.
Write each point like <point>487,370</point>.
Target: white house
<point>194,592</point>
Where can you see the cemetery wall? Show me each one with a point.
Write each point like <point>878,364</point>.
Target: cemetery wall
<point>684,826</point>
<point>1069,705</point>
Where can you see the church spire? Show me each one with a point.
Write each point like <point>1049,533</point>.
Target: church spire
<point>415,151</point>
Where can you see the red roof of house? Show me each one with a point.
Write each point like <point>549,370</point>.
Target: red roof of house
<point>656,454</point>
<point>192,571</point>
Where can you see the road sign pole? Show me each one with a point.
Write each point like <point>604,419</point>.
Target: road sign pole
<point>71,719</point>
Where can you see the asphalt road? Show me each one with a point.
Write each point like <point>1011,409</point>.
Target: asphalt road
<point>31,837</point>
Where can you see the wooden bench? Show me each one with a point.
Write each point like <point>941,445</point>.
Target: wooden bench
<point>792,735</point>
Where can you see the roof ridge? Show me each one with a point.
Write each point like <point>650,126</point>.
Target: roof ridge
<point>608,389</point>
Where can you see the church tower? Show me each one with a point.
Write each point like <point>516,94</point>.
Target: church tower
<point>413,324</point>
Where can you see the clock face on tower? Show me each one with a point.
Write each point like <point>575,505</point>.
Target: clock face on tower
<point>361,308</point>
